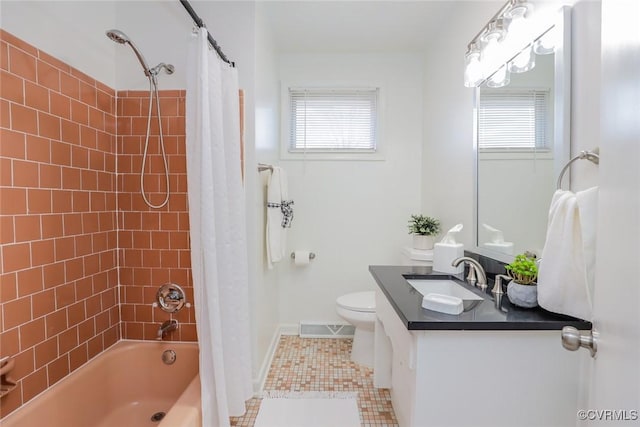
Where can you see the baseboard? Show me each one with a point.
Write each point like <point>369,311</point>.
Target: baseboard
<point>258,383</point>
<point>289,329</point>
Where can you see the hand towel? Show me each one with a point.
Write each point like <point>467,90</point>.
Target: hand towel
<point>279,216</point>
<point>565,279</point>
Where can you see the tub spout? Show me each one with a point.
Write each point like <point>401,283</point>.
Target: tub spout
<point>167,326</point>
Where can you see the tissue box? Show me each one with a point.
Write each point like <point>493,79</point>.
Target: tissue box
<point>443,256</point>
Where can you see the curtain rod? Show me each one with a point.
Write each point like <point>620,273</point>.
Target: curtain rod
<point>200,23</point>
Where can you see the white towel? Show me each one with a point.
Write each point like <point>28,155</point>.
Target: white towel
<point>276,238</point>
<point>565,281</point>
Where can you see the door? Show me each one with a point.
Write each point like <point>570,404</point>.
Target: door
<point>612,380</point>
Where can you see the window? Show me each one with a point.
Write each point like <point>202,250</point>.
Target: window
<point>325,120</point>
<point>513,119</point>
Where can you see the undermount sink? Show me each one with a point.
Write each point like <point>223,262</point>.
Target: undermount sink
<point>448,288</point>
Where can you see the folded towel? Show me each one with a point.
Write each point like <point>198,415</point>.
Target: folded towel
<point>565,280</point>
<point>279,216</point>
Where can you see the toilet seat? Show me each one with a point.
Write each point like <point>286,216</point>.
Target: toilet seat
<point>358,301</point>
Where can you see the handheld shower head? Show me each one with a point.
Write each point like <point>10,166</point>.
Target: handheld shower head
<point>120,37</point>
<point>117,36</point>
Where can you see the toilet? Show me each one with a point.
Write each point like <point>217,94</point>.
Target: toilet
<point>359,309</point>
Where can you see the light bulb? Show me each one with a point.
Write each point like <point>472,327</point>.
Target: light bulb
<point>500,78</point>
<point>546,43</point>
<point>524,61</point>
<point>473,70</point>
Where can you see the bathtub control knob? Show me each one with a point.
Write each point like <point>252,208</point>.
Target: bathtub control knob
<point>170,297</point>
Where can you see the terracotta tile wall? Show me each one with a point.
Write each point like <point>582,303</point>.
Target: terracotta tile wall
<point>58,220</point>
<point>154,243</point>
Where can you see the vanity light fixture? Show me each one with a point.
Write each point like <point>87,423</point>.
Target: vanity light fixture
<point>505,44</point>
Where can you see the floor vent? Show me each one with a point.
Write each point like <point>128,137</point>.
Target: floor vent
<point>324,330</point>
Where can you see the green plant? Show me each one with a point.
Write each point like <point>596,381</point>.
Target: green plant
<point>523,270</point>
<point>423,225</point>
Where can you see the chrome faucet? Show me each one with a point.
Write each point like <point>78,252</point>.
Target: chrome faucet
<point>474,269</point>
<point>166,327</point>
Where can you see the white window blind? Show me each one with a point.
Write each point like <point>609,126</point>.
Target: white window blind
<point>333,120</point>
<point>513,118</point>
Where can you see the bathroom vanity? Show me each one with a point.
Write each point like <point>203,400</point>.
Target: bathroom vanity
<point>492,365</point>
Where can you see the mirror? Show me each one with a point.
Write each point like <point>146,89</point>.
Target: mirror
<point>521,141</point>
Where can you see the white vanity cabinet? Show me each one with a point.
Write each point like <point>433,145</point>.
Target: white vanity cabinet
<point>439,378</point>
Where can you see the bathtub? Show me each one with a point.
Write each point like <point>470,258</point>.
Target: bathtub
<point>124,386</point>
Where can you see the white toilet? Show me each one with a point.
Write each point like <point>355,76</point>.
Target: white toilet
<point>359,309</point>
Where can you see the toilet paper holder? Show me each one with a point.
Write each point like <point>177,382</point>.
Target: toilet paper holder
<point>311,255</point>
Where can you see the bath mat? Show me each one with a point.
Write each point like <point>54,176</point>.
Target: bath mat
<point>308,409</point>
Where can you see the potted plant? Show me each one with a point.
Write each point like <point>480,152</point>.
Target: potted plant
<point>423,228</point>
<point>522,290</point>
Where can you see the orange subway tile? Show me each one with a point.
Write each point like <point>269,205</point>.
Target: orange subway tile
<point>50,174</point>
<point>84,288</point>
<point>86,330</point>
<point>42,251</point>
<point>83,77</point>
<point>58,369</point>
<point>70,86</point>
<point>89,180</point>
<point>93,306</point>
<point>80,201</point>
<point>48,76</point>
<point>79,112</point>
<point>32,333</point>
<point>43,303</point>
<point>36,96</point>
<point>88,94</point>
<point>53,274</point>
<point>71,179</point>
<point>65,295</point>
<point>16,312</point>
<point>79,157</point>
<point>22,64</point>
<point>15,257</point>
<point>38,149</point>
<point>48,126</point>
<point>52,225</point>
<point>5,113</point>
<point>72,223</point>
<point>94,346</point>
<point>7,229</point>
<point>90,222</point>
<point>6,173</point>
<point>62,201</point>
<point>4,55</point>
<point>25,174</point>
<point>74,269</point>
<point>10,342</point>
<point>60,105</point>
<point>34,384</point>
<point>30,281</point>
<point>96,118</point>
<point>24,119</point>
<point>60,153</point>
<point>56,322</point>
<point>65,248</point>
<point>27,227</point>
<point>46,351</point>
<point>43,56</point>
<point>18,43</point>
<point>104,101</point>
<point>68,340</point>
<point>24,364</point>
<point>78,357</point>
<point>70,132</point>
<point>11,87</point>
<point>76,313</point>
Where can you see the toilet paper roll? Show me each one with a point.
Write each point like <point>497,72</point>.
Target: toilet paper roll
<point>302,258</point>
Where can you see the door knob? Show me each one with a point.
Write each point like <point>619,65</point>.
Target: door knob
<point>572,340</point>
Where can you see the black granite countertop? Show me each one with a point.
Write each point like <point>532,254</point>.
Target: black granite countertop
<point>489,314</point>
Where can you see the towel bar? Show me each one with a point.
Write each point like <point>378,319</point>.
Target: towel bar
<point>592,156</point>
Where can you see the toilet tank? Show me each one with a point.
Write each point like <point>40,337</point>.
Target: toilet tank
<point>421,257</point>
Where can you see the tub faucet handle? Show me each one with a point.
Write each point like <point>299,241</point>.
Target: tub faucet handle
<point>166,327</point>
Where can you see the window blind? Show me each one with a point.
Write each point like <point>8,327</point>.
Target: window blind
<point>326,120</point>
<point>513,119</point>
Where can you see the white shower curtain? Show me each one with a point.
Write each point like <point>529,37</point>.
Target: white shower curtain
<point>218,234</point>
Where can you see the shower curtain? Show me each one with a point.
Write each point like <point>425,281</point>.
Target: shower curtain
<point>218,234</point>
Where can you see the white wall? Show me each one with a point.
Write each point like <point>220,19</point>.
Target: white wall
<point>447,157</point>
<point>265,292</point>
<point>72,31</point>
<point>352,213</point>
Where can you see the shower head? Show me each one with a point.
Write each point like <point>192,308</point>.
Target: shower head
<point>120,37</point>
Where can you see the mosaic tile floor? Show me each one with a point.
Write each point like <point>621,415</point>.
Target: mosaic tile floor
<point>315,364</point>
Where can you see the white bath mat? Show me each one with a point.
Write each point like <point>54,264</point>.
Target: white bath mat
<point>308,409</point>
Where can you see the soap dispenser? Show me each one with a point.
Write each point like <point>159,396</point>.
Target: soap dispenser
<point>446,251</point>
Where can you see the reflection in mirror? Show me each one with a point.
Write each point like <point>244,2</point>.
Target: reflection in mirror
<point>522,141</point>
<point>515,160</point>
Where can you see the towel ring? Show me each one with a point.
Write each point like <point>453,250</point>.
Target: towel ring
<point>592,156</point>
